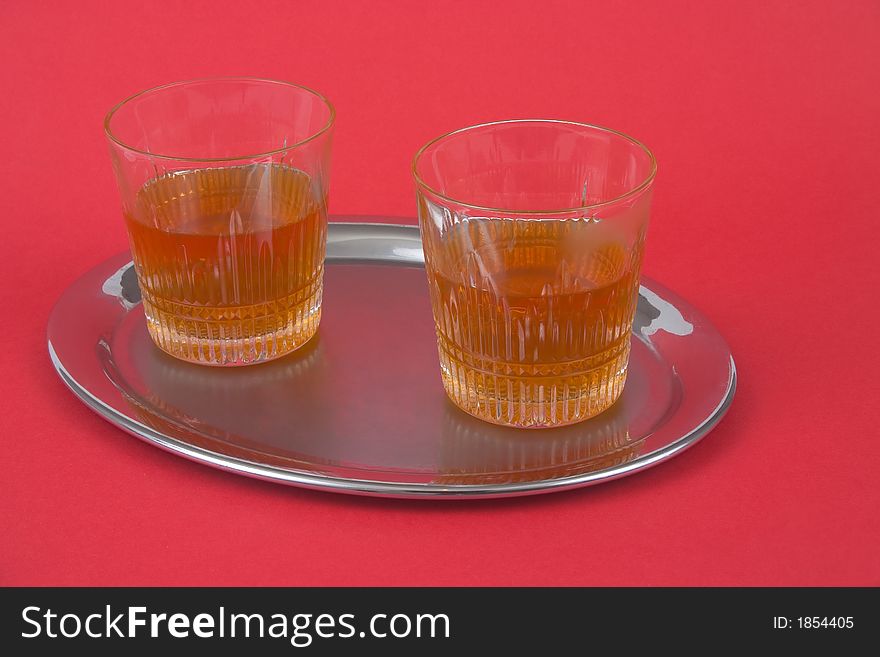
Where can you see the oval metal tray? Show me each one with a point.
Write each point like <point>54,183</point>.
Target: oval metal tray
<point>361,409</point>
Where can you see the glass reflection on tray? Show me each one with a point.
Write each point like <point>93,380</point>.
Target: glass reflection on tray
<point>475,452</point>
<point>227,396</point>
<point>285,413</point>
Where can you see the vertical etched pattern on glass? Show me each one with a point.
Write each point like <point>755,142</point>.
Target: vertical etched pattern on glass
<point>533,317</point>
<point>230,261</point>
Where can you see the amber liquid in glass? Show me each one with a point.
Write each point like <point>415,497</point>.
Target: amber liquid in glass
<point>533,318</point>
<point>230,261</point>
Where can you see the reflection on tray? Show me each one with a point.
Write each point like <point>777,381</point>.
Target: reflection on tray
<point>236,393</point>
<point>285,414</point>
<point>475,452</point>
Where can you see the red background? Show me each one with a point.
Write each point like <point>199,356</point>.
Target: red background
<point>764,119</point>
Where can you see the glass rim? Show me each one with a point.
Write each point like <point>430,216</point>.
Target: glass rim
<point>420,182</point>
<point>180,83</point>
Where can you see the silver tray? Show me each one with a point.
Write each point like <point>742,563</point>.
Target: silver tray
<point>361,408</point>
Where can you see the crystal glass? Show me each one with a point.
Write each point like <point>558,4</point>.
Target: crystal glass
<point>533,232</point>
<point>224,187</point>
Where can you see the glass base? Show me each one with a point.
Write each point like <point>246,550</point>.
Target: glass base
<point>238,335</point>
<point>534,396</point>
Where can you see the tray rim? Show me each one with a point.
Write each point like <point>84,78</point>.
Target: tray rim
<point>370,487</point>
